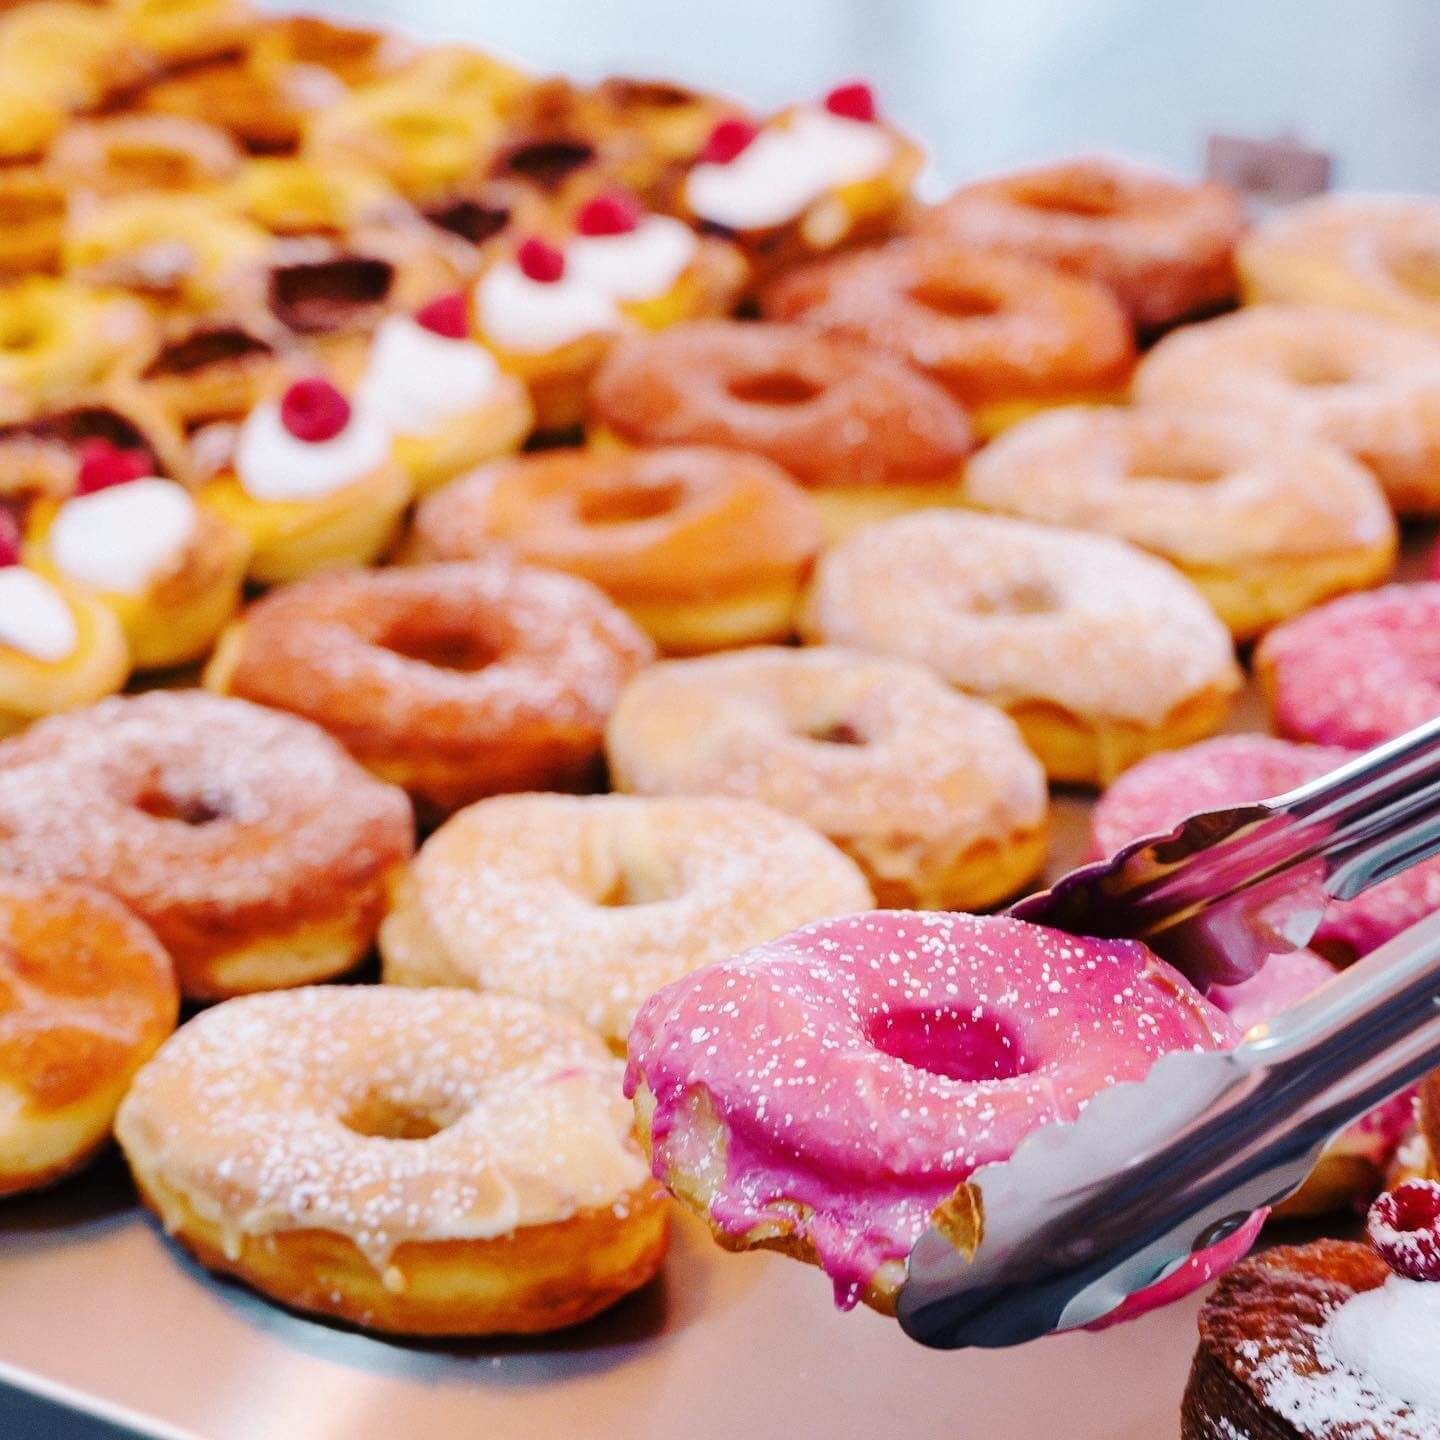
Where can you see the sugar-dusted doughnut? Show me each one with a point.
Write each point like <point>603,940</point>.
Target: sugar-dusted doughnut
<point>1100,652</point>
<point>423,1162</point>
<point>86,996</point>
<point>455,681</point>
<point>1265,521</point>
<point>1356,671</point>
<point>865,433</point>
<point>1165,246</point>
<point>257,851</point>
<point>1005,335</point>
<point>589,904</point>
<point>705,548</point>
<point>1367,384</point>
<point>963,1033</point>
<point>933,794</point>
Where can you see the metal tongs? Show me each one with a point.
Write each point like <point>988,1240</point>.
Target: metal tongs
<point>1082,1216</point>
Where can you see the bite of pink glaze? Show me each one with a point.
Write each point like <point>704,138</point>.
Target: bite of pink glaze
<point>865,1066</point>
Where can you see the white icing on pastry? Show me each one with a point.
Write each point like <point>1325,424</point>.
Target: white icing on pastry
<point>533,316</point>
<point>417,380</point>
<point>34,617</point>
<point>121,539</point>
<point>639,264</point>
<point>273,464</point>
<point>1391,1335</point>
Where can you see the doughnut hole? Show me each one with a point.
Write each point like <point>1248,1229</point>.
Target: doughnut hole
<point>184,808</point>
<point>774,387</point>
<point>1190,464</point>
<point>950,298</point>
<point>629,505</point>
<point>1315,370</point>
<point>442,647</point>
<point>835,732</point>
<point>381,1117</point>
<point>966,1045</point>
<point>1012,595</point>
<point>1088,199</point>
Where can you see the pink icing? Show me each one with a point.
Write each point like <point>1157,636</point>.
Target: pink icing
<point>1359,670</point>
<point>1157,794</point>
<point>1433,568</point>
<point>990,1028</point>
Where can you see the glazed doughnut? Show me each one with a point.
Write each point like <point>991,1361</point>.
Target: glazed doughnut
<point>589,904</point>
<point>86,997</point>
<point>137,152</point>
<point>34,208</point>
<point>1005,336</point>
<point>963,1033</point>
<point>455,681</point>
<point>1369,385</point>
<point>866,434</point>
<point>1266,522</point>
<point>1357,252</point>
<point>931,793</point>
<point>1356,671</point>
<point>1165,246</point>
<point>267,1135</point>
<point>706,549</point>
<point>1100,652</point>
<point>257,851</point>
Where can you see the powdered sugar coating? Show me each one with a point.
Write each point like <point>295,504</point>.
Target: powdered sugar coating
<point>1359,670</point>
<point>1016,612</point>
<point>589,905</point>
<point>784,1042</point>
<point>244,1112</point>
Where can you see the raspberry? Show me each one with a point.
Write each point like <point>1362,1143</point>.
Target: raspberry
<point>540,261</point>
<point>855,101</point>
<point>103,465</point>
<point>314,411</point>
<point>727,140</point>
<point>1404,1228</point>
<point>445,316</point>
<point>613,213</point>
<point>9,538</point>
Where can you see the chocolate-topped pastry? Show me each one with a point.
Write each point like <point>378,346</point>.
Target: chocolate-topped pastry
<point>1328,1341</point>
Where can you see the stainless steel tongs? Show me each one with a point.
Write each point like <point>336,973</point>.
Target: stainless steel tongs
<point>1084,1215</point>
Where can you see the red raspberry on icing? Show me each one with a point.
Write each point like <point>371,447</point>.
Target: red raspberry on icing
<point>9,538</point>
<point>1404,1228</point>
<point>314,411</point>
<point>540,261</point>
<point>855,101</point>
<point>445,316</point>
<point>613,213</point>
<point>727,140</point>
<point>103,465</point>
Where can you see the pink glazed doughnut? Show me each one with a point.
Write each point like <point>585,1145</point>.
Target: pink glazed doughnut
<point>824,1093</point>
<point>1357,671</point>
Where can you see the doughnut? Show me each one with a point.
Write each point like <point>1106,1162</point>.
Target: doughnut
<point>705,549</point>
<point>86,997</point>
<point>1165,246</point>
<point>256,850</point>
<point>1368,385</point>
<point>1357,671</point>
<point>866,434</point>
<point>69,50</point>
<point>455,681</point>
<point>124,153</point>
<point>288,196</point>
<point>1265,521</point>
<point>172,33</point>
<point>490,216</point>
<point>1374,253</point>
<point>1229,770</point>
<point>34,209</point>
<point>418,1162</point>
<point>1099,652</point>
<point>587,905</point>
<point>30,119</point>
<point>1004,335</point>
<point>963,1033</point>
<point>355,54</point>
<point>932,794</point>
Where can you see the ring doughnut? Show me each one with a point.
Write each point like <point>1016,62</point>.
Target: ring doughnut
<point>931,793</point>
<point>455,681</point>
<point>589,904</point>
<point>257,851</point>
<point>1163,245</point>
<point>1099,652</point>
<point>963,1033</point>
<point>1265,522</point>
<point>422,1162</point>
<point>1004,335</point>
<point>1357,671</point>
<point>704,548</point>
<point>1369,385</point>
<point>86,997</point>
<point>866,434</point>
<point>125,153</point>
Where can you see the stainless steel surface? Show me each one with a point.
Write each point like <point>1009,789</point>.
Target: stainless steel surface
<point>1226,889</point>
